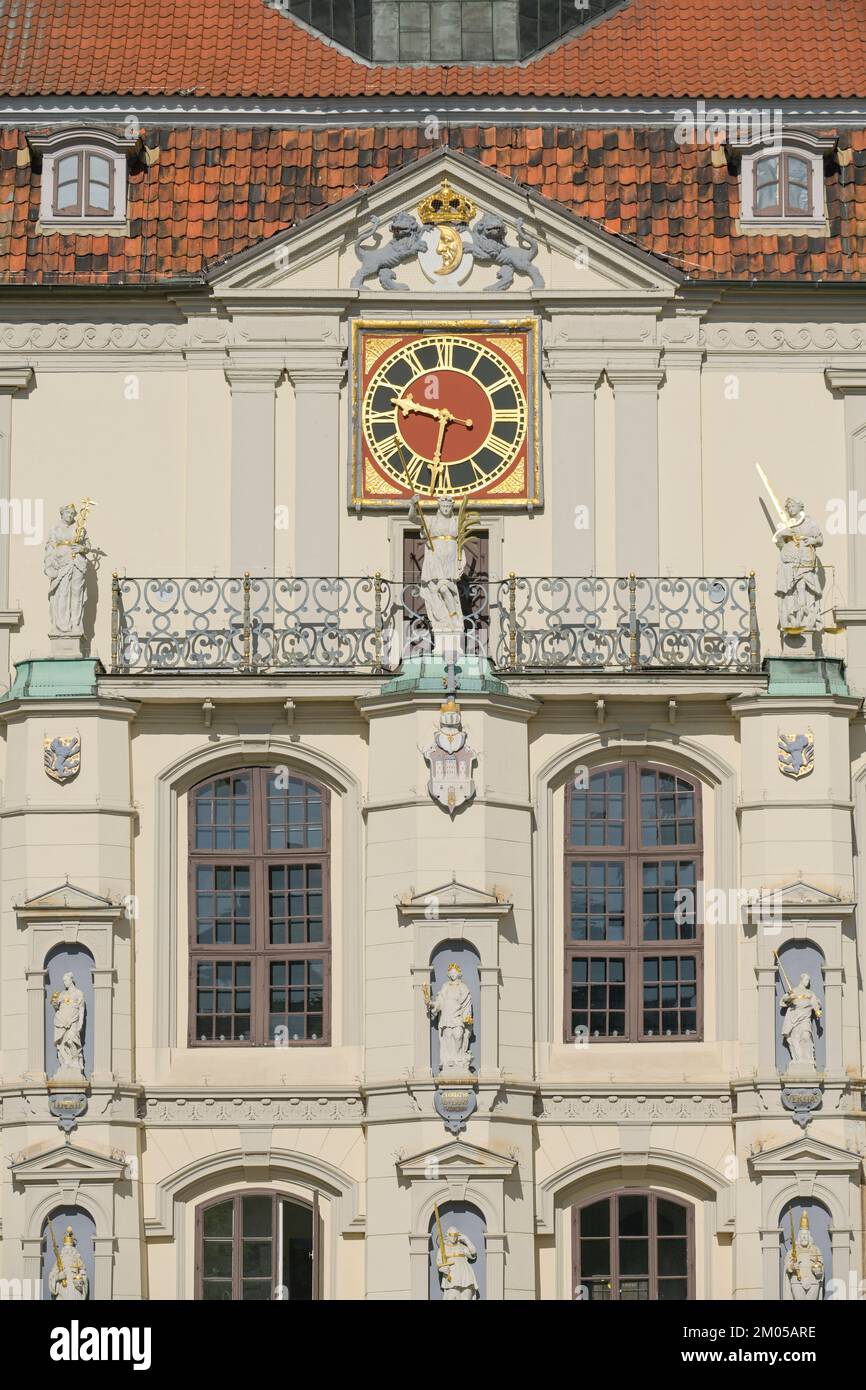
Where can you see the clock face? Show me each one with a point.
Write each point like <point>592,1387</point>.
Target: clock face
<point>445,412</point>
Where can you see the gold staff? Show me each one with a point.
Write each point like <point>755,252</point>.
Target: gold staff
<point>82,519</point>
<point>443,1257</point>
<point>57,1253</point>
<point>794,1246</point>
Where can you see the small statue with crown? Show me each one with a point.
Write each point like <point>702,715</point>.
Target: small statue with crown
<point>804,1264</point>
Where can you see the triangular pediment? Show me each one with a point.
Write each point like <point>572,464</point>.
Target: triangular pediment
<point>65,895</point>
<point>808,893</point>
<point>318,254</point>
<point>805,1155</point>
<point>457,1159</point>
<point>455,896</point>
<point>65,1164</point>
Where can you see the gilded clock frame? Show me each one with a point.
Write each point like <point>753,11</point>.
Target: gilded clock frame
<point>530,326</point>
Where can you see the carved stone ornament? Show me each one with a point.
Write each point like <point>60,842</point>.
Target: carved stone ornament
<point>67,1107</point>
<point>455,1104</point>
<point>446,246</point>
<point>450,760</point>
<point>801,1101</point>
<point>797,754</point>
<point>62,757</point>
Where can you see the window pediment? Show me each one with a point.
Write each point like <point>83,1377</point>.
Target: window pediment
<point>84,179</point>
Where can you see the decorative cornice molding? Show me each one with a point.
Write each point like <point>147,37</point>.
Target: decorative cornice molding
<point>649,1104</point>
<point>232,1108</point>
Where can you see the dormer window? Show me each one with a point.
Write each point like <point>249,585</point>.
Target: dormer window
<point>84,180</point>
<point>782,182</point>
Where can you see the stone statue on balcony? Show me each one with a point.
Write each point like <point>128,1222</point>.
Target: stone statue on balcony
<point>444,564</point>
<point>800,577</point>
<point>66,565</point>
<point>69,1013</point>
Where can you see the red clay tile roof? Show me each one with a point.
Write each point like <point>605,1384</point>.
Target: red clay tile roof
<point>665,48</point>
<point>212,193</point>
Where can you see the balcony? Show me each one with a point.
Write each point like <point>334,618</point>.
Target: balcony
<point>251,625</point>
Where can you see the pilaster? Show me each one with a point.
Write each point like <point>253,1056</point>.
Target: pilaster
<point>253,486</point>
<point>636,405</point>
<point>317,380</point>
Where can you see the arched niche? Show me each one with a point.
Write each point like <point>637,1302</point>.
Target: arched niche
<point>84,1231</point>
<point>820,1222</point>
<point>800,958</point>
<point>79,963</point>
<point>470,1222</point>
<point>467,957</point>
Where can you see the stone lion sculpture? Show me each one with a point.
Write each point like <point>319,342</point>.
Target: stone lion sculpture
<point>407,241</point>
<point>488,244</point>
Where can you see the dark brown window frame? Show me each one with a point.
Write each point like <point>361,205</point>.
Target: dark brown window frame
<point>783,207</point>
<point>83,207</point>
<point>633,949</point>
<point>259,953</point>
<point>309,1204</point>
<point>654,1196</point>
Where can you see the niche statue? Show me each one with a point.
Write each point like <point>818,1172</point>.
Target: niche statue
<point>804,1264</point>
<point>801,1006</point>
<point>453,1261</point>
<point>67,1280</point>
<point>69,1011</point>
<point>453,1009</point>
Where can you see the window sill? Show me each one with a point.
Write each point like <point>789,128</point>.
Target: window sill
<point>782,226</point>
<point>82,226</point>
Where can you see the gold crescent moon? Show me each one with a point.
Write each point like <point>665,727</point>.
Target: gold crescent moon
<point>450,250</point>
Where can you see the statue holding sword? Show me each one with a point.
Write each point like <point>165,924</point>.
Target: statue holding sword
<point>453,1259</point>
<point>800,575</point>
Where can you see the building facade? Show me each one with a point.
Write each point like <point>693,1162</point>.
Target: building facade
<point>264,278</point>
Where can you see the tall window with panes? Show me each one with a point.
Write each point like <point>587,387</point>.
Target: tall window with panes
<point>633,946</point>
<point>259,870</point>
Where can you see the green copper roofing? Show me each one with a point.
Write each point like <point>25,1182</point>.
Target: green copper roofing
<point>428,674</point>
<point>793,675</point>
<point>55,678</point>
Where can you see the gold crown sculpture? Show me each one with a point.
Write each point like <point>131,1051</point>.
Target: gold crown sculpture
<point>450,707</point>
<point>69,1238</point>
<point>455,966</point>
<point>446,205</point>
<point>804,1222</point>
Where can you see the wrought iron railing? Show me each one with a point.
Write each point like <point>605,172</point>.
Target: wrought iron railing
<point>251,624</point>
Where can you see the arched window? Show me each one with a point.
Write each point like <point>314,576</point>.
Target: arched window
<point>633,1247</point>
<point>259,871</point>
<point>632,938</point>
<point>783,186</point>
<point>257,1246</point>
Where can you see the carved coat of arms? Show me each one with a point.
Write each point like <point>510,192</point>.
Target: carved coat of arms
<point>450,760</point>
<point>797,754</point>
<point>446,237</point>
<point>62,756</point>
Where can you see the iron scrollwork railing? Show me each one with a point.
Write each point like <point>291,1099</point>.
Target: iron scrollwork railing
<point>250,624</point>
<point>631,624</point>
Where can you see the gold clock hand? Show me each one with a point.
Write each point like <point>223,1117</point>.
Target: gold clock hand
<point>408,406</point>
<point>455,420</point>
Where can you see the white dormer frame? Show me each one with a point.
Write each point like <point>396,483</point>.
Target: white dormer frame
<point>813,149</point>
<point>83,140</point>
